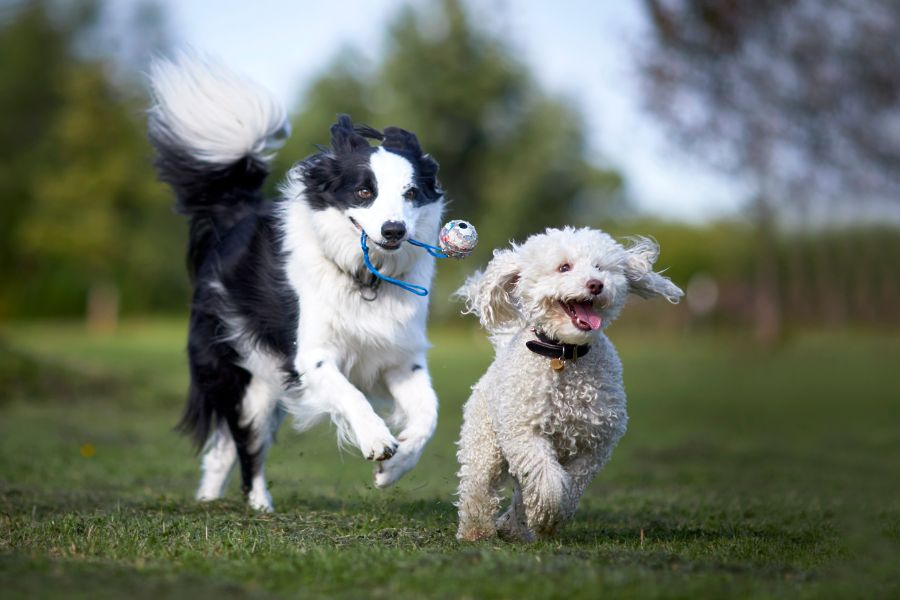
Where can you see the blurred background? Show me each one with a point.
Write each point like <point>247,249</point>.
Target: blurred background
<point>757,140</point>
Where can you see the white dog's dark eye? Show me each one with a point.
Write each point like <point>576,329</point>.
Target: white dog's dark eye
<point>564,268</point>
<point>411,193</point>
<point>364,193</point>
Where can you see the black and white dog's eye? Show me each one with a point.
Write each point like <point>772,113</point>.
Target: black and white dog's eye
<point>364,194</point>
<point>564,268</point>
<point>411,193</point>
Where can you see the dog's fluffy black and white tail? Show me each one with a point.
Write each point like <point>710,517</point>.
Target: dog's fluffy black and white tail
<point>214,132</point>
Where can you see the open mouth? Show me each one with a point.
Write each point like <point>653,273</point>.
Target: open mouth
<point>582,314</point>
<point>383,245</point>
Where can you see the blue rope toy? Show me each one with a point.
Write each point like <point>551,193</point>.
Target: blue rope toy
<point>418,290</point>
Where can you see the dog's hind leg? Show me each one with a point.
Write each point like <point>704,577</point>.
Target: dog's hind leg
<point>217,387</point>
<point>245,409</point>
<point>253,431</point>
<point>218,460</point>
<point>512,524</point>
<point>480,473</point>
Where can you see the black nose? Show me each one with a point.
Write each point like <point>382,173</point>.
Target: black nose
<point>393,231</point>
<point>595,286</point>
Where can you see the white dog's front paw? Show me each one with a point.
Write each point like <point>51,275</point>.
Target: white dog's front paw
<point>545,499</point>
<point>376,442</point>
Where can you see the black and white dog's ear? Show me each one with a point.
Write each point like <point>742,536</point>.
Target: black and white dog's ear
<point>406,143</point>
<point>491,295</point>
<point>642,279</point>
<point>402,140</point>
<point>344,137</point>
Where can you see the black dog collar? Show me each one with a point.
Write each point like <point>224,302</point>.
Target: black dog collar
<point>554,349</point>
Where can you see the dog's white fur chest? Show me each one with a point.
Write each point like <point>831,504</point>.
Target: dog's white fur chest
<point>382,332</point>
<point>366,330</point>
<point>578,409</point>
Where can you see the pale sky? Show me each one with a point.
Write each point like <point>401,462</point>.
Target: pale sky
<point>580,49</point>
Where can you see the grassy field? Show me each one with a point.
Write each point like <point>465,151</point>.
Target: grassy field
<point>743,474</point>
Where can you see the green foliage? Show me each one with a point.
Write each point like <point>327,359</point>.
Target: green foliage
<point>29,66</point>
<point>342,89</point>
<point>722,249</point>
<point>81,206</point>
<point>744,472</point>
<point>513,158</point>
<point>97,210</point>
<point>80,209</point>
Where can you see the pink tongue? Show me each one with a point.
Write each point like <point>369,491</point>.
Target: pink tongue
<point>585,315</point>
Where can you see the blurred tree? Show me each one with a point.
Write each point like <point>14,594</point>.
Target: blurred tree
<point>32,57</point>
<point>96,210</point>
<point>801,97</point>
<point>85,218</point>
<point>513,159</point>
<point>342,89</point>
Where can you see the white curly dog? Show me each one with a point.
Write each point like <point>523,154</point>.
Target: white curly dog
<point>551,407</point>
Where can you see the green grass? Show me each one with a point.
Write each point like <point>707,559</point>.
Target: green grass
<point>749,475</point>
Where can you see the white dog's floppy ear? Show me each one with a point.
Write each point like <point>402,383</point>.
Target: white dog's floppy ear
<point>644,281</point>
<point>491,295</point>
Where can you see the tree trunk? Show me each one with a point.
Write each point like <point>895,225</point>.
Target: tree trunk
<point>103,307</point>
<point>767,307</point>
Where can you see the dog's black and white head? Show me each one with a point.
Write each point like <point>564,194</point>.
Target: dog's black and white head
<point>389,190</point>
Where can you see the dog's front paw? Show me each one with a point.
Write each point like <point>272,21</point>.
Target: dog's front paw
<point>392,469</point>
<point>376,442</point>
<point>389,471</point>
<point>511,527</point>
<point>380,450</point>
<point>544,504</point>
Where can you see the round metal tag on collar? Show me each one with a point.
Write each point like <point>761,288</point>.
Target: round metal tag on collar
<point>369,293</point>
<point>368,290</point>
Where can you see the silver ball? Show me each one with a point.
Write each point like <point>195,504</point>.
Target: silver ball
<point>458,238</point>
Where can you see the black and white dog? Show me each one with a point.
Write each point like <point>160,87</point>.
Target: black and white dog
<point>285,318</point>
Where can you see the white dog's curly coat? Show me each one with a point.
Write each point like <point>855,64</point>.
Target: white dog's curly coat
<point>551,430</point>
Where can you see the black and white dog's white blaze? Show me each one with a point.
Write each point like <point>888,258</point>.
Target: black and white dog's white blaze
<point>285,318</point>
